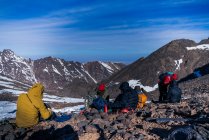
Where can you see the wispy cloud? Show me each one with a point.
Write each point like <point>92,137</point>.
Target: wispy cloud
<point>90,30</point>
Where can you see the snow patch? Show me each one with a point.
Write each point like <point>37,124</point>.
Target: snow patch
<point>178,63</point>
<point>134,83</point>
<point>199,47</point>
<point>107,67</point>
<point>55,70</point>
<point>46,70</point>
<point>53,98</point>
<point>61,63</point>
<point>75,109</point>
<point>13,91</point>
<point>88,74</point>
<point>7,110</point>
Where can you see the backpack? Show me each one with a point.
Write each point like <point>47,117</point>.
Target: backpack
<point>89,100</point>
<point>142,98</point>
<point>163,75</point>
<point>99,103</point>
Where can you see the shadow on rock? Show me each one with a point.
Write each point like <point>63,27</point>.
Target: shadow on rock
<point>162,133</point>
<point>65,133</point>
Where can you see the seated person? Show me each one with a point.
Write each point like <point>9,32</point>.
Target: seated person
<point>99,102</point>
<point>142,98</point>
<point>128,99</point>
<point>30,107</point>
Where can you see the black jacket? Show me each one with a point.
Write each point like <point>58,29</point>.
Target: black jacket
<point>174,93</point>
<point>128,98</point>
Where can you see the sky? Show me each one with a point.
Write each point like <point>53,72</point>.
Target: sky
<point>105,30</point>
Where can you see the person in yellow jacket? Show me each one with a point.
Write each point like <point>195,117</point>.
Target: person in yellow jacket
<point>30,107</point>
<point>142,98</point>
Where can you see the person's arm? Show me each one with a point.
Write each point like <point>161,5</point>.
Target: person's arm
<point>45,113</point>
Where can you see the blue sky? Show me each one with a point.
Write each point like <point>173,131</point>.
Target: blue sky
<point>106,30</point>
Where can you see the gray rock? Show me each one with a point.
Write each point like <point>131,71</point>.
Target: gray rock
<point>132,138</point>
<point>96,116</point>
<point>82,124</point>
<point>121,131</point>
<point>126,136</point>
<point>185,133</point>
<point>202,131</point>
<point>8,128</point>
<point>20,131</point>
<point>98,121</point>
<point>118,126</point>
<point>10,137</point>
<point>80,117</point>
<point>94,111</point>
<point>104,115</point>
<point>91,129</point>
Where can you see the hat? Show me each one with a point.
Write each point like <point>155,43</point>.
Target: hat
<point>101,87</point>
<point>138,89</point>
<point>124,86</point>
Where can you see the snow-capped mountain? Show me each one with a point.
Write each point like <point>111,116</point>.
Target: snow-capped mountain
<point>56,74</point>
<point>10,89</point>
<point>16,67</point>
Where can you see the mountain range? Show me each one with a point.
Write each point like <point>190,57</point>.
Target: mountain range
<point>180,56</point>
<point>57,75</point>
<point>75,79</point>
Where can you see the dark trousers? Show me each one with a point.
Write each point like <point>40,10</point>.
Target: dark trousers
<point>163,92</point>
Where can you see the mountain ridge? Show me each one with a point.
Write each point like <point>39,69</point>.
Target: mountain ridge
<point>55,73</point>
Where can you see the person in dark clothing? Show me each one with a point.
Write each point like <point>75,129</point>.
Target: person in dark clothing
<point>127,99</point>
<point>164,81</point>
<point>174,93</point>
<point>163,88</point>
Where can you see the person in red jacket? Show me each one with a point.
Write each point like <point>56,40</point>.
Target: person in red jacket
<point>164,81</point>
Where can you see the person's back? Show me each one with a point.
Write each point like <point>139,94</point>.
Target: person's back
<point>174,93</point>
<point>127,99</point>
<point>30,107</point>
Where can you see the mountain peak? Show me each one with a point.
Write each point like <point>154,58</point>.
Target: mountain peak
<point>204,41</point>
<point>182,42</point>
<point>8,52</point>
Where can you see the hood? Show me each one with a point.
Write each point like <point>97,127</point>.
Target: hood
<point>36,90</point>
<point>124,87</point>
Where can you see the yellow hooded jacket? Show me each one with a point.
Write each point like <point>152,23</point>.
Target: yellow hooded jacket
<point>27,114</point>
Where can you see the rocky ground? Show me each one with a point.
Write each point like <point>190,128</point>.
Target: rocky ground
<point>155,121</point>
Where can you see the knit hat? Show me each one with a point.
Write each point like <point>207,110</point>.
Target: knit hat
<point>101,87</point>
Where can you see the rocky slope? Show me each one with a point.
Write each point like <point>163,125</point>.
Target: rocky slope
<point>177,56</point>
<point>153,122</point>
<point>56,74</point>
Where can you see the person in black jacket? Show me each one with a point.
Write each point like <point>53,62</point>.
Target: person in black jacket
<point>174,93</point>
<point>127,99</point>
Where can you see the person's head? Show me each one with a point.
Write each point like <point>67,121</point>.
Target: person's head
<point>124,87</point>
<point>101,89</point>
<point>37,90</point>
<point>137,89</point>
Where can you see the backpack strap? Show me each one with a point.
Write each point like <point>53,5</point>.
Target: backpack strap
<point>32,102</point>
